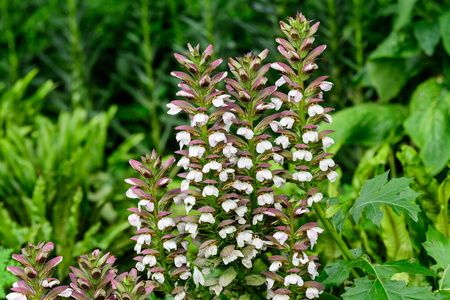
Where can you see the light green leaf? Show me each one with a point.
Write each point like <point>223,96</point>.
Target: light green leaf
<point>385,290</point>
<point>227,277</point>
<point>395,236</point>
<point>444,22</point>
<point>438,247</point>
<point>405,8</point>
<point>245,297</point>
<point>442,223</point>
<point>376,192</point>
<point>427,35</point>
<point>388,75</point>
<point>339,270</point>
<point>429,124</point>
<point>399,44</point>
<point>410,266</point>
<point>255,280</point>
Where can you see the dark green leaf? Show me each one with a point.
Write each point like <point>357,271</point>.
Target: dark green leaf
<point>339,270</point>
<point>388,75</point>
<point>444,22</point>
<point>410,266</point>
<point>405,8</point>
<point>376,192</point>
<point>427,35</point>
<point>429,124</point>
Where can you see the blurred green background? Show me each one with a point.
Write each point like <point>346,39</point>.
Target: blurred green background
<point>84,84</point>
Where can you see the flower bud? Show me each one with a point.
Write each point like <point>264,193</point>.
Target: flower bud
<point>293,33</point>
<point>243,74</point>
<point>42,257</point>
<point>126,296</point>
<point>84,284</point>
<point>96,273</point>
<point>100,295</point>
<point>205,81</point>
<point>31,272</point>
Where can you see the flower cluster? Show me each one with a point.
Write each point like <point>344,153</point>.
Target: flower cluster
<point>92,281</point>
<point>35,275</point>
<point>160,252</point>
<point>127,287</point>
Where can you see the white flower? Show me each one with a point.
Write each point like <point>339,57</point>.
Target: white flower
<point>280,81</point>
<point>302,176</point>
<point>195,175</point>
<point>310,67</point>
<point>316,197</point>
<point>246,132</point>
<point>312,269</point>
<point>295,96</point>
<point>301,154</point>
<point>281,297</point>
<point>310,136</point>
<point>184,162</point>
<point>66,293</point>
<point>281,236</point>
<point>170,245</point>
<point>327,142</point>
<point>315,110</point>
<point>199,119</point>
<point>173,109</point>
<point>223,176</point>
<point>245,163</point>
<point>241,210</point>
<point>189,202</point>
<point>226,230</point>
<point>312,292</point>
<point>277,67</point>
<point>287,122</point>
<point>228,118</point>
<point>198,277</point>
<point>130,194</point>
<point>212,165</point>
<point>180,260</point>
<point>185,275</point>
<point>326,163</point>
<point>149,260</point>
<point>149,206</point>
<point>313,234</point>
<point>16,296</point>
<point>210,251</point>
<point>277,102</point>
<point>159,277</point>
<point>216,289</point>
<point>196,151</point>
<point>229,205</point>
<point>328,118</point>
<point>232,256</point>
<point>50,284</point>
<point>183,138</point>
<point>304,259</point>
<point>264,174</point>
<point>247,260</point>
<point>265,198</point>
<point>142,239</point>
<point>263,146</point>
<point>216,137</point>
<point>332,175</point>
<point>274,266</point>
<point>293,279</point>
<point>207,218</point>
<point>274,125</point>
<point>279,181</point>
<point>243,186</point>
<point>295,259</point>
<point>210,190</point>
<point>218,101</point>
<point>134,220</point>
<point>180,296</point>
<point>165,223</point>
<point>229,150</point>
<point>259,243</point>
<point>140,266</point>
<point>325,86</point>
<point>243,237</point>
<point>282,140</point>
<point>270,282</point>
<point>257,218</point>
<point>192,229</point>
<point>185,184</point>
<point>277,158</point>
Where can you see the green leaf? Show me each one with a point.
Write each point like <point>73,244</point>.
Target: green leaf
<point>227,277</point>
<point>6,277</point>
<point>395,236</point>
<point>255,280</point>
<point>410,266</point>
<point>398,45</point>
<point>388,75</point>
<point>376,192</point>
<point>427,35</point>
<point>405,8</point>
<point>366,124</point>
<point>444,22</point>
<point>429,125</point>
<point>245,297</point>
<point>442,223</point>
<point>381,290</point>
<point>438,247</point>
<point>339,270</point>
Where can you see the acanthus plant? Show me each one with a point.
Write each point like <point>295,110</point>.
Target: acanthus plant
<point>249,241</point>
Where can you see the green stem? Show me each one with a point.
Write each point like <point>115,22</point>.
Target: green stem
<point>9,34</point>
<point>341,244</point>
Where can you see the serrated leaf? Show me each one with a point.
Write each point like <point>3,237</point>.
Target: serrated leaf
<point>227,277</point>
<point>385,290</point>
<point>255,280</point>
<point>429,125</point>
<point>438,247</point>
<point>376,193</point>
<point>410,266</point>
<point>339,270</point>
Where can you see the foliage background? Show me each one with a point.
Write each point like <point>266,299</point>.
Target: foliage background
<point>83,88</point>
